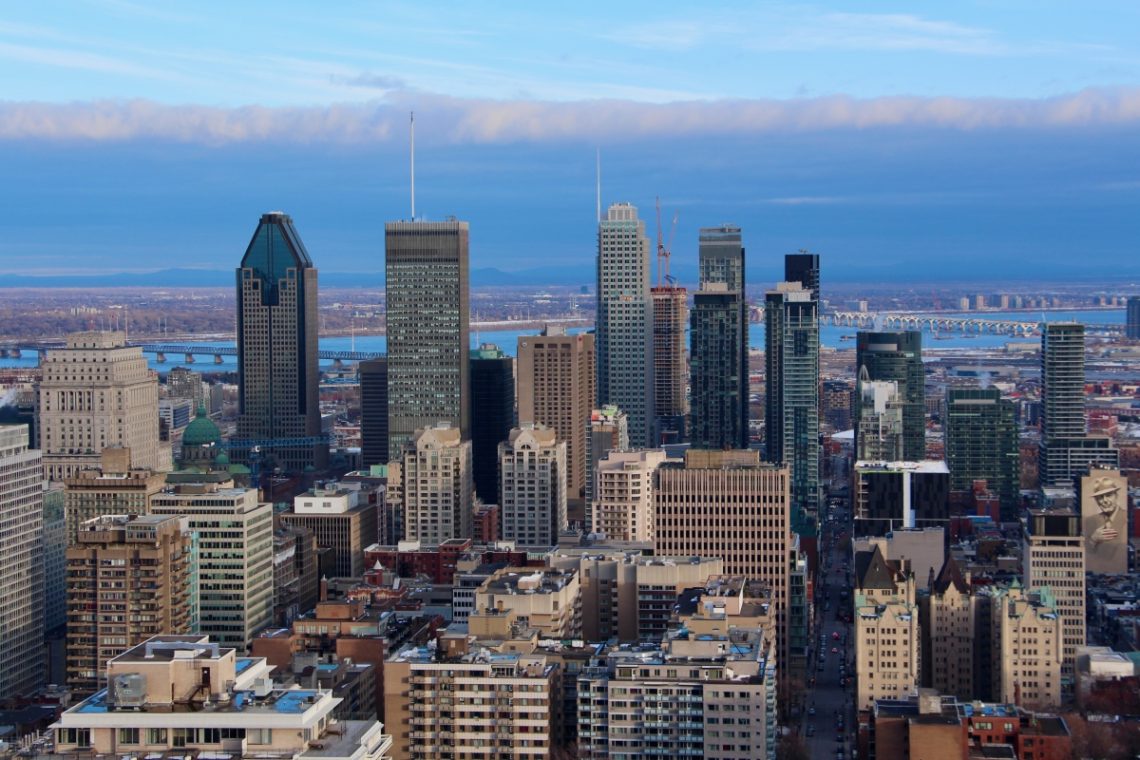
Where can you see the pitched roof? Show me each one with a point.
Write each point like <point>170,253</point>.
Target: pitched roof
<point>950,574</point>
<point>874,572</point>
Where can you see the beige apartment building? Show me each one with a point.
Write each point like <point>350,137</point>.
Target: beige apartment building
<point>98,393</point>
<point>545,599</point>
<point>606,430</point>
<point>235,557</point>
<point>951,631</point>
<point>438,486</point>
<point>114,488</point>
<point>886,629</point>
<point>532,486</point>
<point>1054,558</point>
<point>557,387</point>
<point>1026,634</point>
<point>622,509</point>
<point>128,579</point>
<point>185,695</point>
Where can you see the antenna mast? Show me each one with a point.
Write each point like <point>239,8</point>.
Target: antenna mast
<point>412,130</point>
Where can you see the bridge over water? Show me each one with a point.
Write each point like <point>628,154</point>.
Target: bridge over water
<point>935,323</point>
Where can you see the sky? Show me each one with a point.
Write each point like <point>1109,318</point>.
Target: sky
<point>901,141</point>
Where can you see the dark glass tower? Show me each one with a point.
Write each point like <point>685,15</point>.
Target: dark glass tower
<point>715,371</point>
<point>982,443</point>
<point>492,415</point>
<point>374,411</point>
<point>897,356</point>
<point>428,309</point>
<point>1132,318</point>
<point>277,347</point>
<point>803,267</point>
<point>721,261</point>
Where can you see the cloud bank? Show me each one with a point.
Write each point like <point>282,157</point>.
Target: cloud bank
<point>459,121</point>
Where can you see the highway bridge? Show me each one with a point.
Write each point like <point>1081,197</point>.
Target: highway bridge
<point>935,323</point>
<point>187,350</point>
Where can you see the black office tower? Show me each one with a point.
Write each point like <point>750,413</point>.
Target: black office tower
<point>492,415</point>
<point>373,411</point>
<point>715,371</point>
<point>721,261</point>
<point>803,267</point>
<point>278,376</point>
<point>897,356</point>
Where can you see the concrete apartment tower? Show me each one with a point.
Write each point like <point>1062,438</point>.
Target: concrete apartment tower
<point>897,357</point>
<point>532,486</point>
<point>115,488</point>
<point>887,664</point>
<point>670,370</point>
<point>235,557</point>
<point>1053,558</point>
<point>557,387</point>
<point>98,393</point>
<point>136,571</point>
<point>22,568</point>
<point>439,489</point>
<point>623,509</point>
<point>982,443</point>
<point>428,313</point>
<point>278,375</point>
<point>880,419</point>
<point>625,321</point>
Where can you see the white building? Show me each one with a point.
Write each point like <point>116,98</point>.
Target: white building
<point>622,509</point>
<point>532,486</point>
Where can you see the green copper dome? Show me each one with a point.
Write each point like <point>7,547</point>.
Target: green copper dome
<point>201,431</point>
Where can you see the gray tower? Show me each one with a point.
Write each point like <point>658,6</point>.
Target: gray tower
<point>897,356</point>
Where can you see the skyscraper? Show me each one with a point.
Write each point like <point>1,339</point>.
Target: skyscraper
<point>428,310</point>
<point>278,377</point>
<point>721,260</point>
<point>803,267</point>
<point>492,415</point>
<point>671,406</point>
<point>1132,318</point>
<point>625,321</point>
<point>374,411</point>
<point>897,356</point>
<point>716,370</point>
<point>982,443</point>
<point>791,406</point>
<point>22,568</point>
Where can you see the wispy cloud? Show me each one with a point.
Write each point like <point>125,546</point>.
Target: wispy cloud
<point>370,81</point>
<point>473,121</point>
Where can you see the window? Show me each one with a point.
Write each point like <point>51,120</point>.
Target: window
<point>155,736</point>
<point>128,736</point>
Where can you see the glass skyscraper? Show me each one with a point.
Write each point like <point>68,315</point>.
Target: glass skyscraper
<point>492,415</point>
<point>897,356</point>
<point>721,261</point>
<point>982,443</point>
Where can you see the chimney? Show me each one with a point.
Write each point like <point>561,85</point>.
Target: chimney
<point>324,588</point>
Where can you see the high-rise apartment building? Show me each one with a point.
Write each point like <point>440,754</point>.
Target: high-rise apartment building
<point>341,520</point>
<point>116,488</point>
<point>893,495</point>
<point>22,566</point>
<point>720,254</point>
<point>97,393</point>
<point>428,312</point>
<point>624,329</point>
<point>129,578</point>
<point>887,664</point>
<point>438,487</point>
<point>278,376</point>
<point>670,368</point>
<point>607,429</point>
<point>791,406</point>
<point>623,508</point>
<point>897,356</point>
<point>1132,318</point>
<point>880,420</point>
<point>1053,557</point>
<point>982,443</point>
<point>532,492</point>
<point>1026,645</point>
<point>492,415</point>
<point>557,387</point>
<point>235,557</point>
<point>373,411</point>
<point>185,383</point>
<point>803,267</point>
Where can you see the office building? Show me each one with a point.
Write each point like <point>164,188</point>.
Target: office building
<point>557,387</point>
<point>1132,318</point>
<point>129,578</point>
<point>982,443</point>
<point>295,573</point>
<point>341,520</point>
<point>55,563</point>
<point>22,568</point>
<point>890,495</point>
<point>886,629</point>
<point>186,694</point>
<point>623,508</point>
<point>438,489</point>
<point>373,412</point>
<point>716,369</point>
<point>791,406</point>
<point>278,376</point>
<point>235,557</point>
<point>607,429</point>
<point>670,368</point>
<point>428,311</point>
<point>532,492</point>
<point>721,260</point>
<point>880,420</point>
<point>544,599</point>
<point>185,383</point>
<point>492,415</point>
<point>624,327</point>
<point>1053,557</point>
<point>897,357</point>
<point>116,488</point>
<point>1026,645</point>
<point>97,393</point>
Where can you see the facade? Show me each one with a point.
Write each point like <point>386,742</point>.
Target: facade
<point>278,376</point>
<point>897,356</point>
<point>373,411</point>
<point>183,382</point>
<point>22,568</point>
<point>1054,559</point>
<point>982,443</point>
<point>1132,318</point>
<point>623,508</point>
<point>544,599</point>
<point>557,387</point>
<point>235,557</point>
<point>950,629</point>
<point>803,267</point>
<point>97,393</point>
<point>887,664</point>
<point>438,489</point>
<point>624,330</point>
<point>340,520</point>
<point>428,313</point>
<point>184,693</point>
<point>1026,635</point>
<point>716,369</point>
<point>129,578</point>
<point>670,368</point>
<point>721,260</point>
<point>791,406</point>
<point>891,495</point>
<point>1103,499</point>
<point>880,420</point>
<point>114,489</point>
<point>492,415</point>
<point>607,429</point>
<point>532,491</point>
<point>55,561</point>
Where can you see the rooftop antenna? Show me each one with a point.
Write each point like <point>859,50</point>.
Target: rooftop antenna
<point>412,130</point>
<point>598,182</point>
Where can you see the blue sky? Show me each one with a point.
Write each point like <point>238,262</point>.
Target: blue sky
<point>899,140</point>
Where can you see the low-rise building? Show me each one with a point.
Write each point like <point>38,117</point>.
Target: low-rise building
<point>545,599</point>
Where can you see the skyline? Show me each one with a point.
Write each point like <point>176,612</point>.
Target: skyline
<point>968,143</point>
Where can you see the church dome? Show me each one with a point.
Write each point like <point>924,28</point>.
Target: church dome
<point>201,431</point>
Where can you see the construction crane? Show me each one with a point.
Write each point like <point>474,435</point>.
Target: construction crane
<point>664,251</point>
